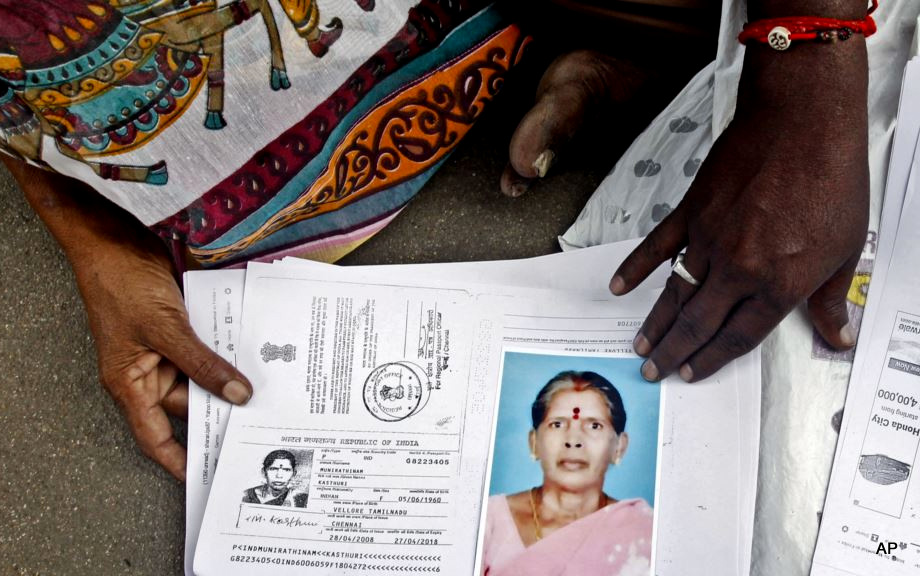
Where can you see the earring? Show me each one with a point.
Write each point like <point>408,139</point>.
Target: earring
<point>533,456</point>
<point>617,461</point>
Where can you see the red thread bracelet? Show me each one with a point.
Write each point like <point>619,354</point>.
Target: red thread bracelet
<point>779,33</point>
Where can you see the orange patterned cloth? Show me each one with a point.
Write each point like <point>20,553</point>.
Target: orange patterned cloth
<point>235,143</point>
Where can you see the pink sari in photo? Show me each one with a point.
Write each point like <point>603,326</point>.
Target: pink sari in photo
<point>614,541</point>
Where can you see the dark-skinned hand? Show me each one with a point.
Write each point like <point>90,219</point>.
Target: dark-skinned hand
<point>144,345</point>
<point>144,342</point>
<point>776,215</point>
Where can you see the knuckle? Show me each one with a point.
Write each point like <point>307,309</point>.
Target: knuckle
<point>671,295</point>
<point>653,248</point>
<point>732,344</point>
<point>830,306</point>
<point>690,327</point>
<point>747,269</point>
<point>835,308</point>
<point>165,296</point>
<point>159,449</point>
<point>782,295</point>
<point>150,446</point>
<point>205,369</point>
<point>662,316</point>
<point>145,448</point>
<point>656,326</point>
<point>119,386</point>
<point>144,444</point>
<point>174,324</point>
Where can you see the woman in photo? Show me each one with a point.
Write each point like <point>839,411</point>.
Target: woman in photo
<point>568,525</point>
<point>278,469</point>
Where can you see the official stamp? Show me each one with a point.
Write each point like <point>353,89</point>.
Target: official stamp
<point>395,391</point>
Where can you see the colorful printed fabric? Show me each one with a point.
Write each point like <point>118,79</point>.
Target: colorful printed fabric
<point>295,133</point>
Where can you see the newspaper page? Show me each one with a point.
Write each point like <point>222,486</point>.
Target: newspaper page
<point>871,521</point>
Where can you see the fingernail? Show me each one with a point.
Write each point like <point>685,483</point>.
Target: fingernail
<point>650,371</point>
<point>543,162</point>
<point>641,345</point>
<point>236,392</point>
<point>617,285</point>
<point>686,372</point>
<point>848,335</point>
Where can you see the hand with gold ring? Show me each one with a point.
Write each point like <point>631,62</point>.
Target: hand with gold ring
<point>777,214</point>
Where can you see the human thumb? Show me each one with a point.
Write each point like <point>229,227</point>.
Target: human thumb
<point>828,308</point>
<point>205,367</point>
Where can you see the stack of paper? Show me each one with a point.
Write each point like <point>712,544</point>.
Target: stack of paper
<point>871,520</point>
<point>390,402</point>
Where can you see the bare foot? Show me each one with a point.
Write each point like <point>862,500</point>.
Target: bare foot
<point>577,89</point>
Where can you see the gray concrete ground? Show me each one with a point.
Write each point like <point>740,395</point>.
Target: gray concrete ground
<point>76,497</point>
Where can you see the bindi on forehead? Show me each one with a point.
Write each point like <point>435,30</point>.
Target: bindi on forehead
<point>575,411</point>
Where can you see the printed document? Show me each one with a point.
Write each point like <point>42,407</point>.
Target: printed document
<point>384,397</point>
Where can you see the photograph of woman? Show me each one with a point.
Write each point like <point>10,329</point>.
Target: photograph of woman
<point>566,522</point>
<point>279,468</point>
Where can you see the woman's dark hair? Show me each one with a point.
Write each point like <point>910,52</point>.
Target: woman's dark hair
<point>578,381</point>
<point>278,455</point>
